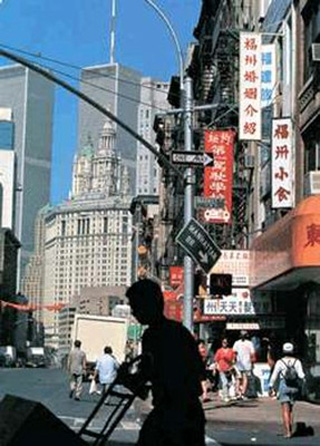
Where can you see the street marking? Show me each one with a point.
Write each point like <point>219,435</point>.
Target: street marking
<point>211,441</point>
<point>124,425</point>
<point>130,425</point>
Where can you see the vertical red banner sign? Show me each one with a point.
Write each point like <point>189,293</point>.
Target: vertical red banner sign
<point>218,179</point>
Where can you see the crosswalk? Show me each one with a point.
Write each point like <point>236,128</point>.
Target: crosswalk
<point>126,430</point>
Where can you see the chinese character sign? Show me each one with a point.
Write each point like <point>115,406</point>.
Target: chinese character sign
<point>282,160</point>
<point>268,74</point>
<point>240,302</point>
<point>250,86</point>
<point>218,179</point>
<point>176,276</point>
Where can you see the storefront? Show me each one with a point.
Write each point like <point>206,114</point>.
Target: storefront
<point>285,263</point>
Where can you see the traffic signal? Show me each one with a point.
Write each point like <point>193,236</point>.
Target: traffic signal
<point>221,284</point>
<point>200,283</point>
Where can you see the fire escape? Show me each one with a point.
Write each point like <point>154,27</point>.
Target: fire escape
<point>214,69</point>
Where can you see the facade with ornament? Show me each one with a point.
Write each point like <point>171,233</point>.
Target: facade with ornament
<point>87,240</point>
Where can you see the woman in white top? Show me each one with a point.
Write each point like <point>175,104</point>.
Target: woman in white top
<point>287,395</point>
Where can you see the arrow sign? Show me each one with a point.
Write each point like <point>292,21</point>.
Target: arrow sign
<point>191,158</point>
<point>199,245</point>
<point>208,159</point>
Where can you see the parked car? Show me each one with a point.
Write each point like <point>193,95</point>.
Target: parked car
<point>8,356</point>
<point>35,357</point>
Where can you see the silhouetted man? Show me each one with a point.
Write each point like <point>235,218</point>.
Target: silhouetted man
<point>171,362</point>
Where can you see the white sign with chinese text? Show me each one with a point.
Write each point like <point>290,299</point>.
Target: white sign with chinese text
<point>268,74</point>
<point>250,86</point>
<point>240,302</point>
<point>282,186</point>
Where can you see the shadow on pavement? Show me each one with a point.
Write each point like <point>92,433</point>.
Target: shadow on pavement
<point>211,405</point>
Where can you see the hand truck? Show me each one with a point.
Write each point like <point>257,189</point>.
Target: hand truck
<point>134,385</point>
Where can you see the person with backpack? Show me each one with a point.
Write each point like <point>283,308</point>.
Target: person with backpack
<point>289,373</point>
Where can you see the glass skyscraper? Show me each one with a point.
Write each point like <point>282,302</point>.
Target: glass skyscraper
<point>30,97</point>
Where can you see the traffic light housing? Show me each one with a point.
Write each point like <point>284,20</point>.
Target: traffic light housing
<point>220,284</point>
<point>200,283</point>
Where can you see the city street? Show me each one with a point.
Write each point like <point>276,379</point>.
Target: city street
<point>160,202</point>
<point>241,423</point>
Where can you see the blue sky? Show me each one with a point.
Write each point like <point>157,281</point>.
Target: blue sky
<point>77,32</point>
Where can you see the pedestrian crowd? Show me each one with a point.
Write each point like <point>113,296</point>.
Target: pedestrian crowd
<point>183,371</point>
<point>228,369</point>
<point>234,369</point>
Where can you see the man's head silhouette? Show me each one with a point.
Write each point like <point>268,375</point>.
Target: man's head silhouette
<point>146,301</point>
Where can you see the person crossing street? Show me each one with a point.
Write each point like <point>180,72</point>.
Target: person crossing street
<point>76,367</point>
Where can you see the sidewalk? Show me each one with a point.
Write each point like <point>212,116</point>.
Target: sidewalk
<point>263,411</point>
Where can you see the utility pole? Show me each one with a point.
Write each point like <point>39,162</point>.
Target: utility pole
<point>186,104</point>
<point>188,204</point>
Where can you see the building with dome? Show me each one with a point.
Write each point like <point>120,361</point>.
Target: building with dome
<point>87,239</point>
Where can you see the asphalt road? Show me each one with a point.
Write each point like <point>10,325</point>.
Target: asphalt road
<point>50,388</point>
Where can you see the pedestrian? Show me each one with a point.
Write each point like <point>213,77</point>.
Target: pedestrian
<point>76,366</point>
<point>288,370</point>
<point>106,368</point>
<point>204,356</point>
<point>245,357</point>
<point>225,359</point>
<point>172,364</point>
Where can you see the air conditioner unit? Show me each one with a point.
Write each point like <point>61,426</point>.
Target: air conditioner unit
<point>249,161</point>
<point>312,183</point>
<point>315,52</point>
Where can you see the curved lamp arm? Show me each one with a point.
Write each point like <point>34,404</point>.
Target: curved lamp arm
<point>174,37</point>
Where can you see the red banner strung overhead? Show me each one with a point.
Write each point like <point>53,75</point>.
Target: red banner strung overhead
<point>30,307</point>
<point>218,179</point>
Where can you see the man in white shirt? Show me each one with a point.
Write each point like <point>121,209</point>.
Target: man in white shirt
<point>245,354</point>
<point>106,368</point>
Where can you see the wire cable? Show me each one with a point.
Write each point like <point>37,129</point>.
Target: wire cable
<point>76,67</point>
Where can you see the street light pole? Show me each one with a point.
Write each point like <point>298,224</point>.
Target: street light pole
<point>179,52</point>
<point>186,102</point>
<point>188,206</point>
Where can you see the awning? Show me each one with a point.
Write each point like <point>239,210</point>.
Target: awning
<point>288,253</point>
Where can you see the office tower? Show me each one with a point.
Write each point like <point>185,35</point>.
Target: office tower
<point>30,97</point>
<point>7,169</point>
<point>117,88</point>
<point>153,100</point>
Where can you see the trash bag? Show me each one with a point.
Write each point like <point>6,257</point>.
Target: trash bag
<point>93,387</point>
<point>253,386</point>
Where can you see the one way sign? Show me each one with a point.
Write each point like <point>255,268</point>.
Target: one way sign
<point>192,158</point>
<point>197,243</point>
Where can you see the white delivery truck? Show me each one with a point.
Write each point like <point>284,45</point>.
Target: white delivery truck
<point>96,332</point>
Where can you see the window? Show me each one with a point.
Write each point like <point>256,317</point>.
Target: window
<point>125,224</point>
<point>311,17</point>
<point>312,154</point>
<point>105,225</point>
<point>63,227</point>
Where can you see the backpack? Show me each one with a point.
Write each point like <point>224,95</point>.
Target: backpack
<point>291,376</point>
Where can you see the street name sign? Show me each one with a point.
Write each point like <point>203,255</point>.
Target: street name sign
<point>199,245</point>
<point>191,158</point>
